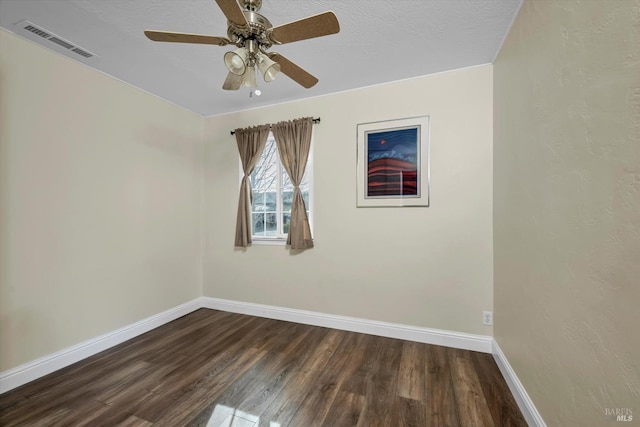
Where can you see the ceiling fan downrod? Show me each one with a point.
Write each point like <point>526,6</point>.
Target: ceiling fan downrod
<point>252,5</point>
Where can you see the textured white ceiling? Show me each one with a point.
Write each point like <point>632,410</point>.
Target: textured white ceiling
<point>379,41</point>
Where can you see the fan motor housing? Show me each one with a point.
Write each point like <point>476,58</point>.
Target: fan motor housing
<point>258,24</point>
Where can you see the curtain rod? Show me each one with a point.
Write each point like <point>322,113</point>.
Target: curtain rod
<point>314,121</point>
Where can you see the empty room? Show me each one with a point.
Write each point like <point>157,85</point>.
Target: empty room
<point>319,213</point>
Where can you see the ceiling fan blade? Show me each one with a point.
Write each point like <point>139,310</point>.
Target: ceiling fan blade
<point>294,72</point>
<point>314,26</point>
<point>232,82</point>
<point>233,12</point>
<point>166,36</point>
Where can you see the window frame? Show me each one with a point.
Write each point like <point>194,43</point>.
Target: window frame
<point>281,239</point>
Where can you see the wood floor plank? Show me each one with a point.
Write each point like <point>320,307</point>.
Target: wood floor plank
<point>123,381</point>
<point>440,401</point>
<point>410,412</point>
<point>411,374</point>
<point>314,408</point>
<point>134,421</point>
<point>215,368</point>
<point>203,383</point>
<point>277,375</point>
<point>209,361</point>
<point>203,360</point>
<point>356,382</point>
<point>53,418</point>
<point>501,403</point>
<point>381,383</point>
<point>470,400</point>
<point>288,401</point>
<point>200,395</point>
<point>81,380</point>
<point>85,414</point>
<point>261,384</point>
<point>345,411</point>
<point>12,401</point>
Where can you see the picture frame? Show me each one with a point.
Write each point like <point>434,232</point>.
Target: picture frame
<point>393,163</point>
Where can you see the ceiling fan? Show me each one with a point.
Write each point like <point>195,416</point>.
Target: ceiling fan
<point>253,35</point>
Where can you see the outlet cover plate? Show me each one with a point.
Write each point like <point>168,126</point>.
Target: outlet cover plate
<point>487,318</point>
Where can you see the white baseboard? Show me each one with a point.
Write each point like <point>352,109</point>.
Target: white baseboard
<point>528,409</point>
<point>35,369</point>
<point>461,340</point>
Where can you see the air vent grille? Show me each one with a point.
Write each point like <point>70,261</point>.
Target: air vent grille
<point>61,42</point>
<point>37,31</point>
<point>82,52</point>
<point>28,29</point>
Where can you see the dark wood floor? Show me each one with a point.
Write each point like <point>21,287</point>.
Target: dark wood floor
<point>222,369</point>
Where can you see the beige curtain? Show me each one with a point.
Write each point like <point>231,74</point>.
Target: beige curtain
<point>294,142</point>
<point>251,142</point>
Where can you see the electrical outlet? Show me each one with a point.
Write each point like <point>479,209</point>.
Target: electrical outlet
<point>487,318</point>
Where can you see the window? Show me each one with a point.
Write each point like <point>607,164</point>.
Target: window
<point>273,195</point>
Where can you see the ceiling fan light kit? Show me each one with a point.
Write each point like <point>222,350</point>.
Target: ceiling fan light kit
<point>269,68</point>
<point>249,77</point>
<point>236,61</point>
<point>253,35</point>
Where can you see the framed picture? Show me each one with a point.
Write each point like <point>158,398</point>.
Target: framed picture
<point>393,163</point>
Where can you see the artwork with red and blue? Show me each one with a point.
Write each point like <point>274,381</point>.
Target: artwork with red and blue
<point>392,162</point>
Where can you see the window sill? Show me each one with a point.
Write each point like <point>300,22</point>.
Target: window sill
<point>269,242</point>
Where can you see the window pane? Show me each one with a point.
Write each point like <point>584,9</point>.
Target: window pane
<point>286,220</point>
<point>305,197</point>
<point>258,223</point>
<point>265,175</point>
<point>270,201</point>
<point>258,201</point>
<point>287,200</point>
<point>286,182</point>
<point>271,226</point>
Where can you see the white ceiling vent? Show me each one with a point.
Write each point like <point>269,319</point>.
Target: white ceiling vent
<point>53,41</point>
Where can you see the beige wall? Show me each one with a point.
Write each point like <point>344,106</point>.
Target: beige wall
<point>567,207</point>
<point>428,267</point>
<point>100,190</point>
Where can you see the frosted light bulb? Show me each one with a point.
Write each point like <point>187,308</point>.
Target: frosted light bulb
<point>236,61</point>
